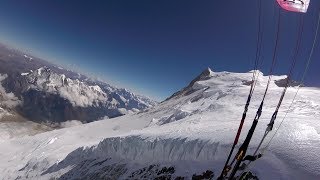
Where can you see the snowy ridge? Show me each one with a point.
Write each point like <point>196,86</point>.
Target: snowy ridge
<point>191,132</point>
<point>132,99</point>
<point>77,92</point>
<point>141,152</point>
<point>81,93</point>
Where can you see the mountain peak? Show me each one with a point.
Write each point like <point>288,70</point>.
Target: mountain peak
<point>206,74</point>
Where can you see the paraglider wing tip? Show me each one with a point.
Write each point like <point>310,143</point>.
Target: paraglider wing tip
<point>300,6</point>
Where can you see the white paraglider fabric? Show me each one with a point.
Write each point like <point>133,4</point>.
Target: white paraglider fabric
<point>295,5</point>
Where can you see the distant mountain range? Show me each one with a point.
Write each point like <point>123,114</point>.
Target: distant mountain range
<point>51,94</point>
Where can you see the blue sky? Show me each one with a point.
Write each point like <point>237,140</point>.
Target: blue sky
<point>156,47</point>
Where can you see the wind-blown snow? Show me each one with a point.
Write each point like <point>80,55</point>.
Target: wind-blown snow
<point>191,131</point>
<point>70,123</point>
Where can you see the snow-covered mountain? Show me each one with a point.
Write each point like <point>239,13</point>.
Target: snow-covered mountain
<point>51,94</point>
<point>187,136</point>
<point>81,93</point>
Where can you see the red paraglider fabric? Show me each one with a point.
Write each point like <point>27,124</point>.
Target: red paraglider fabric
<point>294,5</point>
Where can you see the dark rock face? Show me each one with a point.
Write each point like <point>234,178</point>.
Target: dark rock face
<point>15,83</point>
<point>154,171</point>
<point>283,83</point>
<point>51,108</point>
<point>205,75</point>
<point>205,175</point>
<point>105,169</point>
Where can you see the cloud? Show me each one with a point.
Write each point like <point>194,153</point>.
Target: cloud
<point>70,123</point>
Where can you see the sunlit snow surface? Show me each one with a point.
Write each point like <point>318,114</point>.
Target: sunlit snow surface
<point>192,132</point>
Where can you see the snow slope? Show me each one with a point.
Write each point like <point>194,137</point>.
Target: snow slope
<point>187,134</point>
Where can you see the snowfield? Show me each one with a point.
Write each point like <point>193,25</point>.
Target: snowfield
<point>189,134</point>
